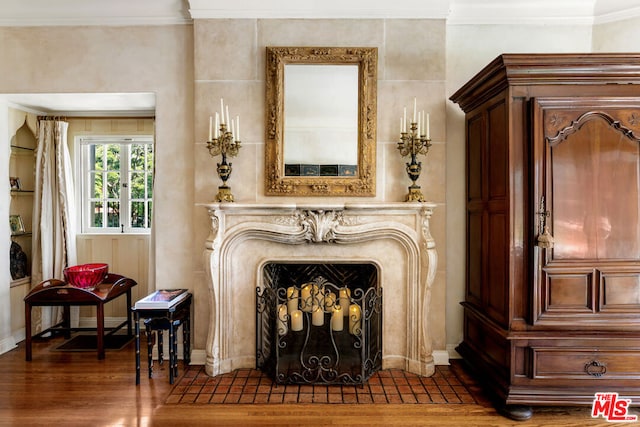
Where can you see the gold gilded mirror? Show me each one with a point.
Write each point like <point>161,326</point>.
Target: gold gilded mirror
<point>321,121</point>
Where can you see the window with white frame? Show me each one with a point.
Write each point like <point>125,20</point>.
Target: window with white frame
<point>116,184</point>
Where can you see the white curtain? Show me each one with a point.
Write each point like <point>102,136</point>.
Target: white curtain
<point>54,213</point>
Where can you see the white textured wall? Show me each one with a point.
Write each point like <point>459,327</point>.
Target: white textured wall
<point>620,36</point>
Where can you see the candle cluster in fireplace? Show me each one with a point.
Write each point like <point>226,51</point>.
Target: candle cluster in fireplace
<point>319,304</point>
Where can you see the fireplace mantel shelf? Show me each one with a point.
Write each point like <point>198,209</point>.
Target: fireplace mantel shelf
<point>350,206</point>
<point>393,236</point>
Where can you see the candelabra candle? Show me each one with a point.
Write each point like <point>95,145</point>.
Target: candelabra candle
<point>225,143</point>
<point>292,299</point>
<point>413,143</point>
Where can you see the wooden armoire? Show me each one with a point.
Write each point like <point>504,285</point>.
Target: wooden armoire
<point>552,301</point>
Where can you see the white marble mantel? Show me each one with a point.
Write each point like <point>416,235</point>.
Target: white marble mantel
<point>393,236</point>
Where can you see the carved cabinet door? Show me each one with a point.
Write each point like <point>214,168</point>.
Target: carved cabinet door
<point>586,199</point>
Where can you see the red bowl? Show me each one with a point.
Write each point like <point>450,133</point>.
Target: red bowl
<point>86,276</point>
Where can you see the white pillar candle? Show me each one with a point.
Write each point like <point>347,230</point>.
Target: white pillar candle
<point>317,317</point>
<point>329,301</point>
<point>404,122</point>
<point>222,110</point>
<point>306,304</point>
<point>227,111</point>
<point>415,105</point>
<point>428,131</point>
<point>216,131</point>
<point>419,122</point>
<point>210,128</point>
<point>292,299</point>
<point>296,321</point>
<point>233,130</point>
<point>282,320</point>
<point>424,119</point>
<point>237,128</point>
<point>344,302</point>
<point>337,319</point>
<point>355,319</point>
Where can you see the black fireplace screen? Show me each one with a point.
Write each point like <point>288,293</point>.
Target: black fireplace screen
<point>319,323</point>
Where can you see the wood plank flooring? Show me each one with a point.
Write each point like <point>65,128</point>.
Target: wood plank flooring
<point>76,389</point>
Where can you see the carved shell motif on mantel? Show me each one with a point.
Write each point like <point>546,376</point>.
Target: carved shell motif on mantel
<point>318,225</point>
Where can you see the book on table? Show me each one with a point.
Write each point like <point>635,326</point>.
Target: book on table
<point>162,298</point>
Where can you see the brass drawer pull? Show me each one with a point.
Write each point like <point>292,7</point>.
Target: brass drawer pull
<point>595,368</point>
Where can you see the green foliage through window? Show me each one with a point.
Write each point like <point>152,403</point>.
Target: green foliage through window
<point>119,184</point>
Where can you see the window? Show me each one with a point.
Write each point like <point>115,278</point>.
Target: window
<point>116,184</point>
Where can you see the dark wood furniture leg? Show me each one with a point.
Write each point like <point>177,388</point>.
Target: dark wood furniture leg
<point>100,330</point>
<point>129,314</point>
<point>175,352</point>
<point>136,326</point>
<point>186,340</point>
<point>172,354</point>
<point>66,321</point>
<point>149,335</point>
<point>27,328</point>
<point>160,345</point>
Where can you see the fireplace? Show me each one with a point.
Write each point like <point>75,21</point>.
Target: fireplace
<point>247,239</point>
<point>319,323</point>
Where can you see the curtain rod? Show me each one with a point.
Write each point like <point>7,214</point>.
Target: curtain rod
<point>52,118</point>
<point>95,117</point>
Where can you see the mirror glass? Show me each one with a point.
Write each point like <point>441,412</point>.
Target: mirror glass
<point>321,121</point>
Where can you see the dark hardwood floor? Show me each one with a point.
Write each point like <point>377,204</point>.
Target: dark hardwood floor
<point>76,389</point>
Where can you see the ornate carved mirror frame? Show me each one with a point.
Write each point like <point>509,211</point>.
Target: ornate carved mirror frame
<point>363,182</point>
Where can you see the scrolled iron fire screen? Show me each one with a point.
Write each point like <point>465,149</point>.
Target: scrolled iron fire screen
<point>319,323</point>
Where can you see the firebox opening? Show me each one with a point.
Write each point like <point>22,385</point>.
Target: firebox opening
<point>319,322</point>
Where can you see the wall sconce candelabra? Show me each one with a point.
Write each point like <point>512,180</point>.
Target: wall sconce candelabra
<point>225,141</point>
<point>414,141</point>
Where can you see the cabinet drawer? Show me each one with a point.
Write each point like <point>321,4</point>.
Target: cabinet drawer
<point>606,364</point>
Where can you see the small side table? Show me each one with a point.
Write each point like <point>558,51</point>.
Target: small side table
<point>54,292</point>
<point>160,319</point>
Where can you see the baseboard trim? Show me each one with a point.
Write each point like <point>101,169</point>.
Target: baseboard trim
<point>198,357</point>
<point>7,344</point>
<point>453,354</point>
<point>440,357</point>
<point>19,335</point>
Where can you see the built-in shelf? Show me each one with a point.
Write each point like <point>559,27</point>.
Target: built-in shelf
<point>25,233</point>
<point>19,282</point>
<point>21,178</point>
<point>18,147</point>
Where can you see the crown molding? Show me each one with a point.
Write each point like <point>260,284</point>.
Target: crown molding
<point>455,12</point>
<point>327,9</point>
<point>619,15</point>
<point>21,13</point>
